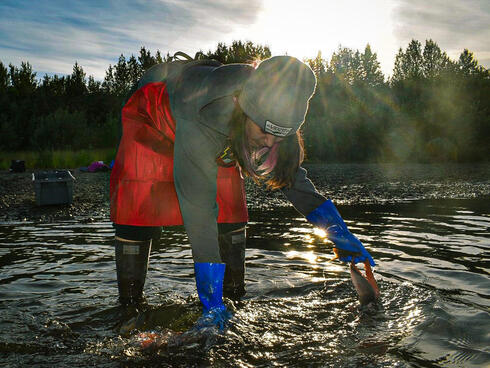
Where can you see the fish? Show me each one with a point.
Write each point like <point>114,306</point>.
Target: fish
<point>366,286</point>
<point>154,340</point>
<point>169,339</point>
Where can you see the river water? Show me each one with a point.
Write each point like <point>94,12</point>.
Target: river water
<point>426,226</point>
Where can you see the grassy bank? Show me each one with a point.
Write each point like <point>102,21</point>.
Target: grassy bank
<point>59,159</point>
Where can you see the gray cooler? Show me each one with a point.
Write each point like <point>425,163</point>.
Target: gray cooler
<point>53,187</point>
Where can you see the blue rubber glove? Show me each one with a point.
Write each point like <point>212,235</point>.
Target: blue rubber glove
<point>209,282</point>
<point>328,218</point>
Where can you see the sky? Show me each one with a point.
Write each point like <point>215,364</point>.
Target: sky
<point>54,34</point>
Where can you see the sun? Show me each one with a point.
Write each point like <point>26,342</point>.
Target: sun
<point>302,28</point>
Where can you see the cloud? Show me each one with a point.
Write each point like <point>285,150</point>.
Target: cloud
<point>453,24</point>
<point>53,34</point>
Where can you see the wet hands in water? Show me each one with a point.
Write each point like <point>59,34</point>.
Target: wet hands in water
<point>348,246</point>
<point>216,318</point>
<point>202,335</point>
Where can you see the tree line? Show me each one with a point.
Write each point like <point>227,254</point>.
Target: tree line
<point>431,109</point>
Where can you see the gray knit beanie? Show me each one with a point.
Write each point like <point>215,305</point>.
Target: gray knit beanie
<point>276,95</point>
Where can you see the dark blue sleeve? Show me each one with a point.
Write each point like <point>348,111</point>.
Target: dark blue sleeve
<point>303,194</point>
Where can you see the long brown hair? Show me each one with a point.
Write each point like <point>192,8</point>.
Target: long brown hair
<point>275,166</point>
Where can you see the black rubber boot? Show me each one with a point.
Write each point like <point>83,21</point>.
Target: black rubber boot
<point>232,252</point>
<point>131,264</point>
<point>155,237</point>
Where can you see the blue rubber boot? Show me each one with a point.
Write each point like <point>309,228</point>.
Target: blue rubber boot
<point>209,282</point>
<point>328,218</point>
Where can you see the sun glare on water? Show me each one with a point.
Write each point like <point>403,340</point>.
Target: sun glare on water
<point>307,256</point>
<point>320,233</point>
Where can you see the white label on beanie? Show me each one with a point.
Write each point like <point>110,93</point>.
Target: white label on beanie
<point>276,129</point>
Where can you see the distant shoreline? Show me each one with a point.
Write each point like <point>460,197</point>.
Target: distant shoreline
<point>346,184</point>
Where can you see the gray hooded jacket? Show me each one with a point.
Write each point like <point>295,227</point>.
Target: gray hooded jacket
<point>201,99</point>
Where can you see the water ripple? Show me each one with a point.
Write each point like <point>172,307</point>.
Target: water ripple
<point>58,293</point>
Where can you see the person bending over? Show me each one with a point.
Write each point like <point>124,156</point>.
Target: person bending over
<point>191,132</point>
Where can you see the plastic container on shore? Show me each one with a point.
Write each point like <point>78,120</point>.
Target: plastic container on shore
<point>18,166</point>
<point>53,187</point>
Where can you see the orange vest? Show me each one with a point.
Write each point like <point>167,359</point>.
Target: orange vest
<point>142,188</point>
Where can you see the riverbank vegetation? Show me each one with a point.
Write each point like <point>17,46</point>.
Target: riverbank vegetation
<point>46,159</point>
<point>431,109</point>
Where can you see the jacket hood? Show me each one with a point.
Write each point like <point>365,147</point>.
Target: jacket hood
<point>220,86</point>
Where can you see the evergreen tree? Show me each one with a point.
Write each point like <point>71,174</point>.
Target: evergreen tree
<point>23,79</point>
<point>93,86</point>
<point>357,73</point>
<point>158,57</point>
<point>469,65</point>
<point>4,78</point>
<point>317,64</point>
<point>55,86</point>
<point>108,84</point>
<point>134,71</point>
<point>434,61</point>
<point>341,64</point>
<point>76,82</point>
<point>409,64</point>
<point>372,74</point>
<point>145,59</point>
<point>398,73</point>
<point>121,77</point>
<point>348,66</point>
<point>413,60</point>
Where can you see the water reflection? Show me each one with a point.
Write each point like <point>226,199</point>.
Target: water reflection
<point>58,293</point>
